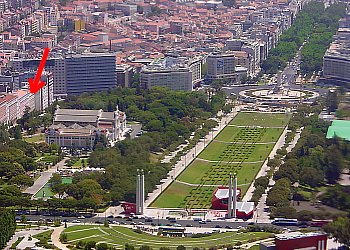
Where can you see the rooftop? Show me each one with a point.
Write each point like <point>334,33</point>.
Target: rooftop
<point>339,128</point>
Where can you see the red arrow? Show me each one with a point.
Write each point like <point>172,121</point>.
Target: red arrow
<point>35,85</point>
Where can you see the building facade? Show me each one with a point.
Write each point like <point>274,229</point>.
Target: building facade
<point>221,66</point>
<point>90,72</point>
<point>173,73</point>
<point>80,128</point>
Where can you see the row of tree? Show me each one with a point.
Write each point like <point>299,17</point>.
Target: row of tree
<point>7,226</point>
<point>325,26</point>
<point>314,25</point>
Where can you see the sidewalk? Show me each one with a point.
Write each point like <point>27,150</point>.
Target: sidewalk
<point>55,238</point>
<point>44,178</point>
<point>262,216</point>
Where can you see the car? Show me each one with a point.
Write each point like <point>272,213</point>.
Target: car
<point>153,224</point>
<point>75,221</point>
<point>228,227</point>
<point>116,222</point>
<point>303,226</point>
<point>208,220</point>
<point>133,223</point>
<point>218,226</point>
<point>98,222</point>
<point>119,217</point>
<point>202,222</point>
<point>110,216</point>
<point>177,225</point>
<point>148,220</point>
<point>141,223</point>
<point>129,219</point>
<point>65,220</point>
<point>251,223</point>
<point>122,223</point>
<point>81,217</point>
<point>189,225</point>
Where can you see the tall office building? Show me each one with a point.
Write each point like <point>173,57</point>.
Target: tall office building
<point>221,66</point>
<point>173,73</point>
<point>90,72</point>
<point>56,65</point>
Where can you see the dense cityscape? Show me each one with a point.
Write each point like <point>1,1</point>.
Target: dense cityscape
<point>174,124</point>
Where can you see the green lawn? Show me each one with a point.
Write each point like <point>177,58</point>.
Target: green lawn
<point>260,119</point>
<point>35,138</point>
<point>212,151</point>
<point>47,188</point>
<point>118,236</point>
<point>236,149</point>
<point>173,195</point>
<point>195,171</point>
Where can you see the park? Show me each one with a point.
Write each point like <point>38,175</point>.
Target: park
<point>241,147</point>
<point>118,236</point>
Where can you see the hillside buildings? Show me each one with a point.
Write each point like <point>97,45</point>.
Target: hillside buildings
<point>80,128</point>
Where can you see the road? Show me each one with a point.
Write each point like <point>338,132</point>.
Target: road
<point>44,178</point>
<point>156,221</point>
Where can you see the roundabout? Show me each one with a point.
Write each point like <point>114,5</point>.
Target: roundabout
<point>278,94</point>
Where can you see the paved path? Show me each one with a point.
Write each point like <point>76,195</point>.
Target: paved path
<point>262,216</point>
<point>254,143</point>
<point>188,158</point>
<point>204,185</point>
<point>55,238</point>
<point>242,162</point>
<point>264,168</point>
<point>44,178</point>
<point>26,233</point>
<point>243,126</point>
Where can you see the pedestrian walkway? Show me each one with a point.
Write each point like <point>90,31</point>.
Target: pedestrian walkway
<point>26,233</point>
<point>261,214</point>
<point>44,178</point>
<point>55,238</point>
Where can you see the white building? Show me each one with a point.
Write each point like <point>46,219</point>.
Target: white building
<point>80,128</point>
<point>173,73</point>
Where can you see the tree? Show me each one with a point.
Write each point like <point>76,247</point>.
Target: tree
<point>339,229</point>
<point>90,245</point>
<point>102,246</point>
<point>4,135</point>
<point>55,180</point>
<point>63,237</point>
<point>129,247</point>
<point>181,247</point>
<point>22,180</point>
<point>17,133</point>
<point>144,247</point>
<point>311,176</point>
<point>334,164</point>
